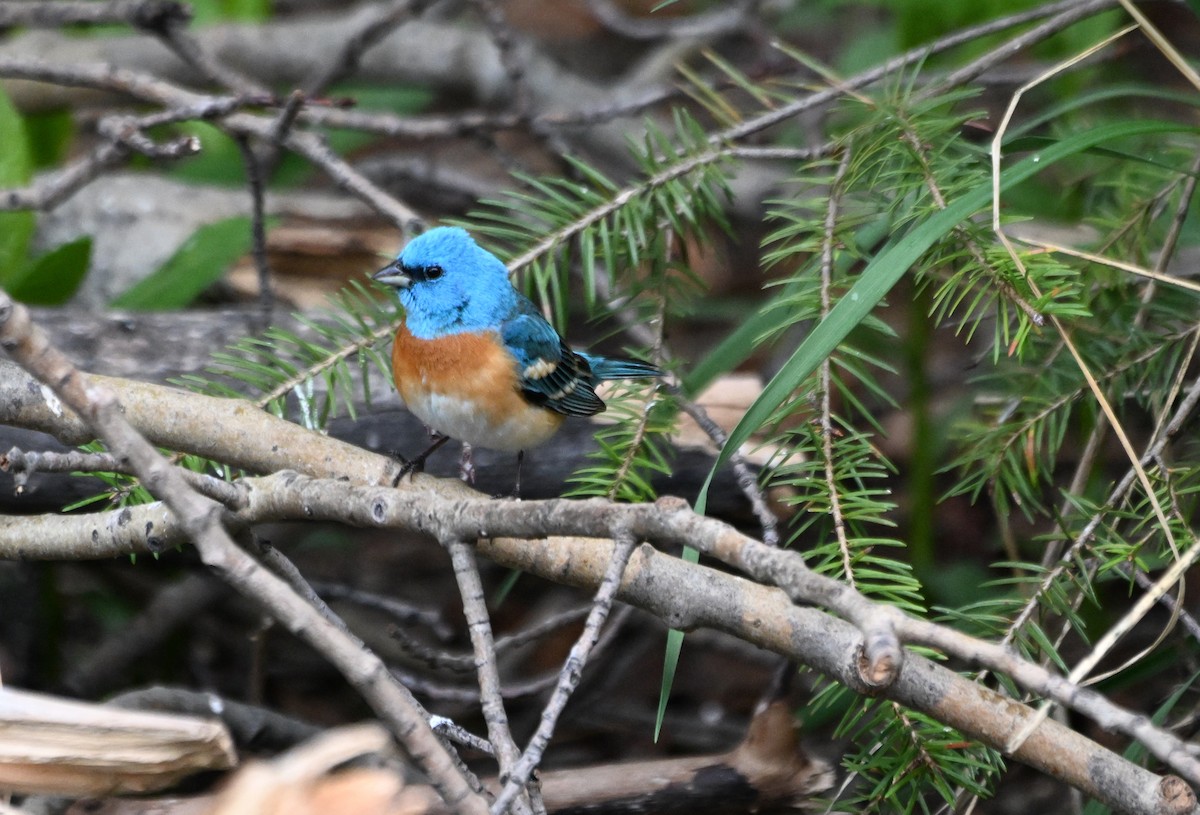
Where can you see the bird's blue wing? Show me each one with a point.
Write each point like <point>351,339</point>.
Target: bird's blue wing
<point>550,373</point>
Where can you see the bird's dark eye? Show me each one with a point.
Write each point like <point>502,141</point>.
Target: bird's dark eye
<point>433,272</point>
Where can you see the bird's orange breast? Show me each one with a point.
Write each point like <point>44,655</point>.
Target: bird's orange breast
<point>465,385</point>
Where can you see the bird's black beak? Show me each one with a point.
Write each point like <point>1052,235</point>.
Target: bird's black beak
<point>393,275</point>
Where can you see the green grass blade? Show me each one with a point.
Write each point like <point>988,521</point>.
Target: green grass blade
<point>671,657</point>
<point>740,343</point>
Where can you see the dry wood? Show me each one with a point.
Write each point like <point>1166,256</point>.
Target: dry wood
<point>52,745</point>
<point>768,770</point>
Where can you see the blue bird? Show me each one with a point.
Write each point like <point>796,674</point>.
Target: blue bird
<point>476,361</point>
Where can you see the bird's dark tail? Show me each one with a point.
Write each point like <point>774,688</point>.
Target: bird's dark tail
<point>616,368</point>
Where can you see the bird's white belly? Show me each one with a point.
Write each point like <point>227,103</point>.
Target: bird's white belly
<point>474,424</point>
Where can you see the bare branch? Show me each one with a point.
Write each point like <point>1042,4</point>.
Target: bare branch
<point>572,672</point>
<point>147,14</point>
<point>203,523</point>
<point>151,90</point>
<point>470,588</point>
<point>22,465</point>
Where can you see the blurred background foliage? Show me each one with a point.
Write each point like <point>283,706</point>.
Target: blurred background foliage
<point>922,429</point>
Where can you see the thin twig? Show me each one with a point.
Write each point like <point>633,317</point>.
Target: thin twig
<point>509,691</point>
<point>378,24</point>
<point>460,735</point>
<point>572,671</point>
<point>380,21</point>
<point>125,134</point>
<point>510,58</point>
<point>127,131</point>
<point>1067,11</point>
<point>48,191</point>
<point>470,587</point>
<point>832,485</point>
<point>24,464</point>
<point>258,225</point>
<point>174,35</point>
<point>513,60</point>
<point>746,480</point>
<point>282,566</point>
<point>432,127</point>
<point>407,614</point>
<point>155,91</point>
<point>438,659</point>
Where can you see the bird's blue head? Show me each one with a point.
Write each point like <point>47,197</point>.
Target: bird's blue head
<point>448,284</point>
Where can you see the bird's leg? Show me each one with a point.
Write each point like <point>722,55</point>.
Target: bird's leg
<point>466,467</point>
<point>416,465</point>
<point>517,486</point>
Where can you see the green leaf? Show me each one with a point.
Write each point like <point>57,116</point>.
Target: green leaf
<point>254,11</point>
<point>395,98</point>
<point>49,134</point>
<point>218,162</point>
<point>200,262</point>
<point>16,168</point>
<point>671,657</point>
<point>896,258</point>
<point>53,278</point>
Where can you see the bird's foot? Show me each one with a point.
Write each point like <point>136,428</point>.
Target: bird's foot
<point>466,466</point>
<point>411,467</point>
<point>407,467</point>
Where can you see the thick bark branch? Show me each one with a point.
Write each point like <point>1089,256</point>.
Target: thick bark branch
<point>202,523</point>
<point>250,439</point>
<point>684,595</point>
